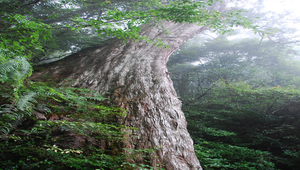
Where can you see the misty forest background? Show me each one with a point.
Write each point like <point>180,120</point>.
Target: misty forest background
<point>240,94</point>
<point>240,91</point>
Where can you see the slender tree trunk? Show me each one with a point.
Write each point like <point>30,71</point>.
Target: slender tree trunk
<point>137,79</point>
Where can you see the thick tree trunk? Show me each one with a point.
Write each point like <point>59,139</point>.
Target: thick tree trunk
<point>136,76</point>
<point>137,79</point>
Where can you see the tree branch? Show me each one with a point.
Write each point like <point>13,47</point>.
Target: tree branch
<point>35,2</point>
<point>203,94</point>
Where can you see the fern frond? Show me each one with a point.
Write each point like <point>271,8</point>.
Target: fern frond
<point>97,97</point>
<point>25,69</point>
<point>9,66</point>
<point>5,108</point>
<point>6,95</point>
<point>16,69</point>
<point>26,101</point>
<point>5,130</point>
<point>6,68</point>
<point>43,108</point>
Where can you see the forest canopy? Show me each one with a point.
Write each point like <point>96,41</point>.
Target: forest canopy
<point>43,29</point>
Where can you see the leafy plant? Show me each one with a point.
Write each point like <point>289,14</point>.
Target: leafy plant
<point>223,156</point>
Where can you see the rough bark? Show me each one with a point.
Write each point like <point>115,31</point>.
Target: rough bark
<point>137,79</point>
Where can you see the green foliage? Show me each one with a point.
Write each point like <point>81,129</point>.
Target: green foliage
<point>27,143</point>
<point>13,72</point>
<point>223,156</point>
<point>40,29</point>
<point>22,34</point>
<point>74,118</point>
<point>265,119</point>
<point>52,157</point>
<point>241,103</point>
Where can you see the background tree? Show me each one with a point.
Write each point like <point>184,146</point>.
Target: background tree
<point>241,97</point>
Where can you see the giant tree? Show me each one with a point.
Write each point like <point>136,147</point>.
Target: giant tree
<point>125,67</point>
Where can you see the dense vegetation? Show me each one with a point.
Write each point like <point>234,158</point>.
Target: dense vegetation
<point>241,99</point>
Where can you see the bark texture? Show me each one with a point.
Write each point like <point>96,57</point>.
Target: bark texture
<point>137,79</point>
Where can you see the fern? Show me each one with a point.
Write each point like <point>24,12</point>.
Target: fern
<point>25,69</point>
<point>15,69</point>
<point>14,72</point>
<point>21,101</point>
<point>6,68</point>
<point>10,117</point>
<point>5,130</point>
<point>43,108</point>
<point>26,101</point>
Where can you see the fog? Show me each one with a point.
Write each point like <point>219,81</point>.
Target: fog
<point>240,91</point>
